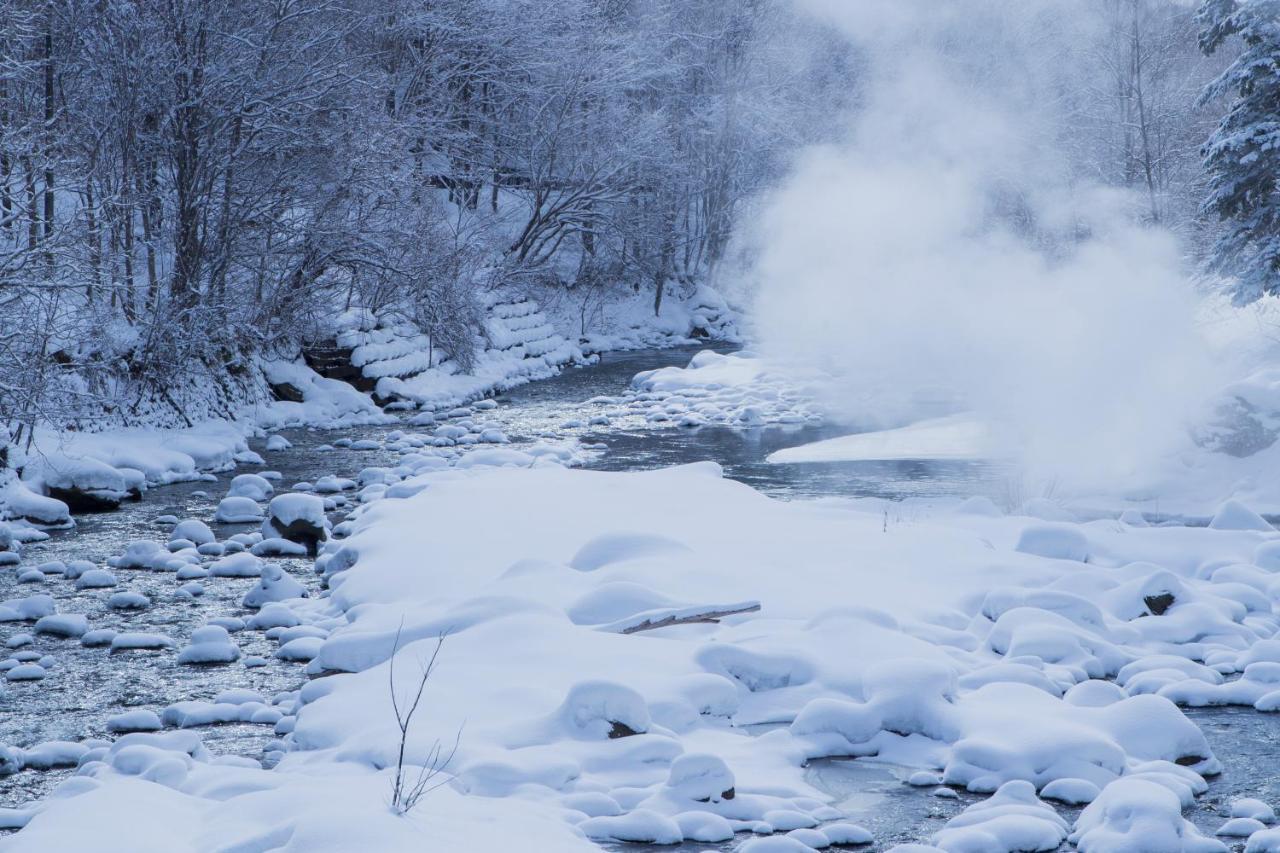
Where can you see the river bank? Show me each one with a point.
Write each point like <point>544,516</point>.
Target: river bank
<point>1033,657</point>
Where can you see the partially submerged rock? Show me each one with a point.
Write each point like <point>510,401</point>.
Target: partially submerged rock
<point>298,518</point>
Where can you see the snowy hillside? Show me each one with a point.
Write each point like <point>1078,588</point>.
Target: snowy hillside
<point>519,344</point>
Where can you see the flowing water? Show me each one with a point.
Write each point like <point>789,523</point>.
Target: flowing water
<point>632,444</point>
<point>86,686</point>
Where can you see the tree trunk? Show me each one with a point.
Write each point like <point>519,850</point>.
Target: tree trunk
<point>33,204</point>
<point>48,138</point>
<point>219,285</point>
<point>7,218</point>
<point>95,242</point>
<point>150,224</point>
<point>1144,131</point>
<point>189,165</point>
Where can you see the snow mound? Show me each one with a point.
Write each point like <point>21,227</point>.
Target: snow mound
<point>275,585</point>
<point>1012,819</point>
<point>238,510</point>
<point>249,486</point>
<point>242,565</point>
<point>210,644</point>
<point>958,437</point>
<point>1234,515</point>
<point>1138,814</point>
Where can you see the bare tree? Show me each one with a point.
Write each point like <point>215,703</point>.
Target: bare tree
<point>408,787</point>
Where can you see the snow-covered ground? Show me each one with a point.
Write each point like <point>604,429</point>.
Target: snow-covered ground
<point>1034,661</point>
<point>113,462</point>
<point>523,344</point>
<point>954,437</point>
<point>656,656</point>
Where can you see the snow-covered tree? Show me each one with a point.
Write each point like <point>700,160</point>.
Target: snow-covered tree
<point>1242,156</point>
<point>185,183</point>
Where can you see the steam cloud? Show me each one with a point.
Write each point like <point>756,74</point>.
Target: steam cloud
<point>947,251</point>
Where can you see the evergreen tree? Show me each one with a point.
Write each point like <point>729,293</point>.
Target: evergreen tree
<point>1242,156</point>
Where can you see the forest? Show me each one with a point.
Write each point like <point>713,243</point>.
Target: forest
<point>188,184</point>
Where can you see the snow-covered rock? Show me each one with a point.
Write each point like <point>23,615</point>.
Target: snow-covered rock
<point>298,518</point>
<point>275,585</point>
<point>242,565</point>
<point>210,644</point>
<point>193,530</point>
<point>238,510</point>
<point>250,486</point>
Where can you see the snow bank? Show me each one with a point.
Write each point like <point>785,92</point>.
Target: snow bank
<point>106,467</point>
<point>96,471</point>
<point>522,346</point>
<point>955,437</point>
<point>610,638</point>
<point>326,403</point>
<point>626,320</point>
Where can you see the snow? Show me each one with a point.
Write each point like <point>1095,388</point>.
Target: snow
<point>729,389</point>
<point>139,640</point>
<point>20,502</point>
<point>300,649</point>
<point>96,579</point>
<point>237,565</point>
<point>275,585</point>
<point>332,484</point>
<point>1138,814</point>
<point>71,625</point>
<point>111,462</point>
<point>193,530</point>
<point>1234,515</point>
<point>1033,661</point>
<point>1057,541</point>
<point>639,826</point>
<point>274,615</point>
<point>142,554</point>
<point>1253,808</point>
<point>1240,827</point>
<point>277,547</point>
<point>1071,791</point>
<point>326,403</point>
<point>249,486</point>
<point>718,542</point>
<point>286,509</point>
<point>238,510</point>
<point>956,437</point>
<point>82,473</point>
<point>523,347</point>
<point>26,672</point>
<point>128,601</point>
<point>210,644</point>
<point>98,637</point>
<point>1012,819</point>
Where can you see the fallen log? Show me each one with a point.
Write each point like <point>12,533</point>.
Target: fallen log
<point>653,620</point>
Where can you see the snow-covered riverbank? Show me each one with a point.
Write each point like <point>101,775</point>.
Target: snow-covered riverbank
<point>983,649</point>
<point>524,345</point>
<point>656,656</point>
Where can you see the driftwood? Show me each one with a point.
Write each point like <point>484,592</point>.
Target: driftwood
<point>689,616</point>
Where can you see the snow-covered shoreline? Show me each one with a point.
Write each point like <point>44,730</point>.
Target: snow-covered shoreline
<point>655,656</point>
<point>114,462</point>
<point>991,652</point>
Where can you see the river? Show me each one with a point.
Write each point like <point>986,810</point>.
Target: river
<point>86,686</point>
